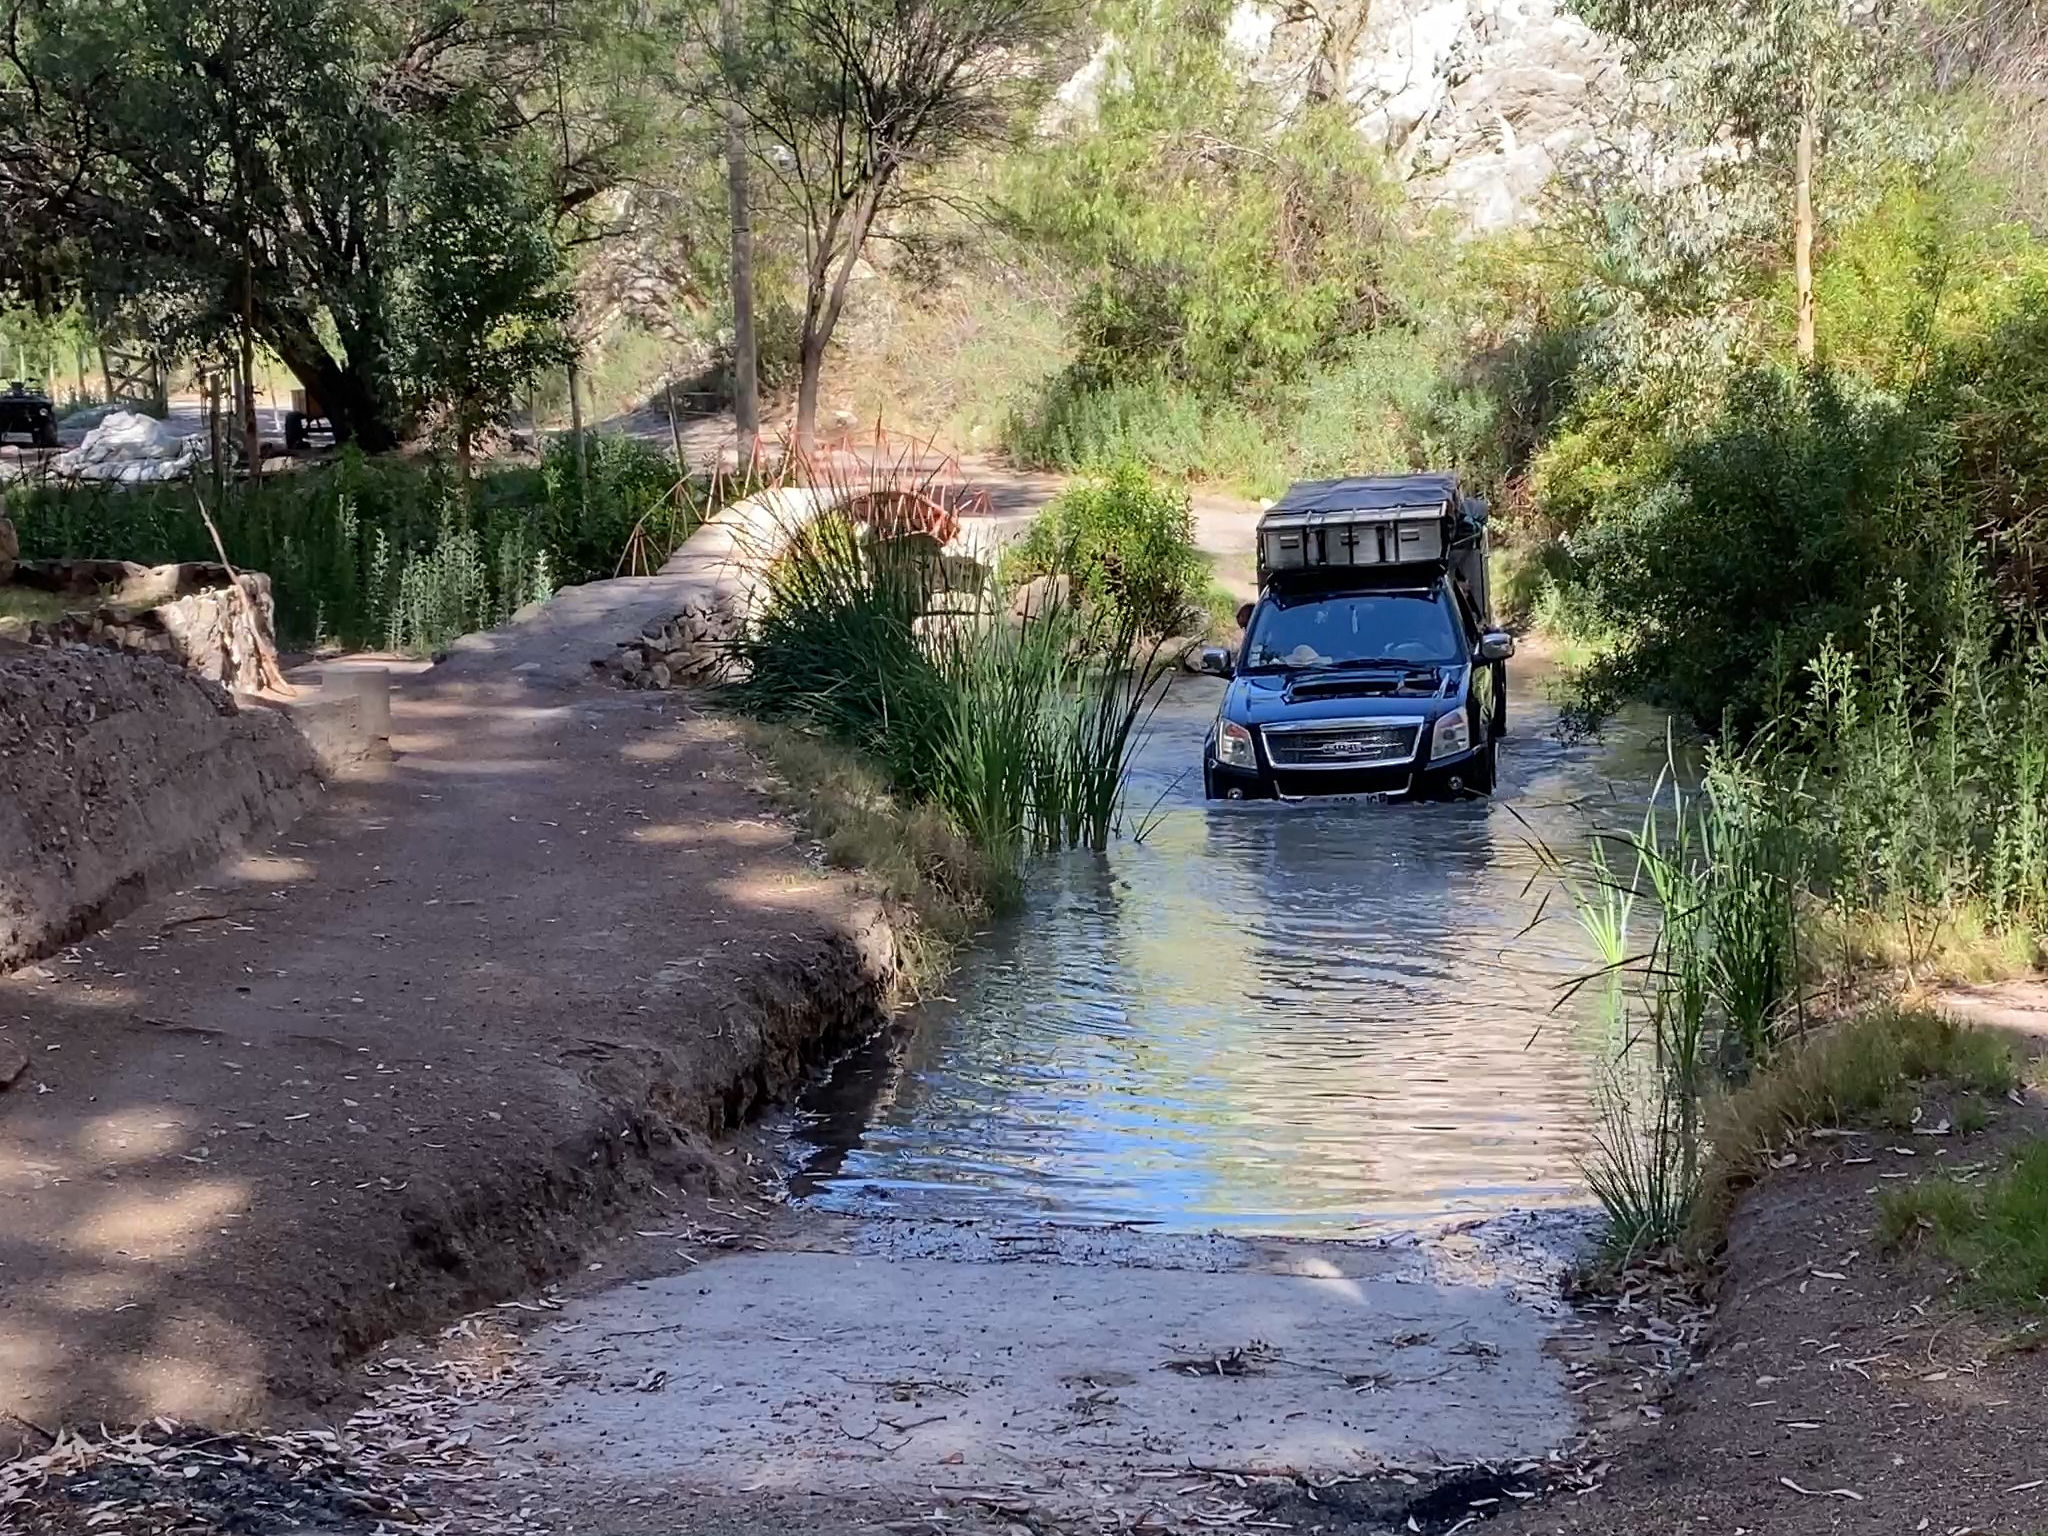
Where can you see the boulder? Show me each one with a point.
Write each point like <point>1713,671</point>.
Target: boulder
<point>1040,595</point>
<point>129,448</point>
<point>10,549</point>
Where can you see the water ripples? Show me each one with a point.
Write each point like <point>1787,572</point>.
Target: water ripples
<point>1301,1019</point>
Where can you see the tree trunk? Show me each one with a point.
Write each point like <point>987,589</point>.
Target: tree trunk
<point>1802,229</point>
<point>344,394</point>
<point>823,305</point>
<point>252,442</point>
<point>576,433</point>
<point>746,395</point>
<point>810,368</point>
<point>215,443</point>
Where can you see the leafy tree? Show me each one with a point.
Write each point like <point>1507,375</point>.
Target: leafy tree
<point>198,160</point>
<point>478,304</point>
<point>746,388</point>
<point>847,102</point>
<point>1785,81</point>
<point>1219,251</point>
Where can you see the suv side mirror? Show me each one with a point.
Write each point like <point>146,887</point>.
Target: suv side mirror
<point>1496,645</point>
<point>1215,660</point>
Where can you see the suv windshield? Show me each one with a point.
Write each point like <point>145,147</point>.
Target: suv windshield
<point>1318,630</point>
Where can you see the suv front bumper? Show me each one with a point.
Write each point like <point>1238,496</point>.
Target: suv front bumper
<point>1445,779</point>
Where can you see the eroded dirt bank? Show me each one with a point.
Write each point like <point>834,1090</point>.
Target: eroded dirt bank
<point>1839,1386</point>
<point>120,777</point>
<point>410,1056</point>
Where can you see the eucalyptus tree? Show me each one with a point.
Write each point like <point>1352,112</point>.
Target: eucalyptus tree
<point>849,104</point>
<point>1771,86</point>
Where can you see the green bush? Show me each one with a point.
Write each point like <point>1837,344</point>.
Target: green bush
<point>1726,571</point>
<point>1019,734</point>
<point>1129,543</point>
<point>383,551</point>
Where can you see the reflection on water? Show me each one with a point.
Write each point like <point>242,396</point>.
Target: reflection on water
<point>1308,1018</point>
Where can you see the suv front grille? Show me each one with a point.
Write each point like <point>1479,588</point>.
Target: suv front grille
<point>1342,743</point>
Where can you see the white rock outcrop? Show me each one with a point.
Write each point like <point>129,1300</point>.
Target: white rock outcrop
<point>1476,103</point>
<point>130,448</point>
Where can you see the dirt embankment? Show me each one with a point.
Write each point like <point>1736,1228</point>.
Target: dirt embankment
<point>119,777</point>
<point>1842,1386</point>
<point>410,1057</point>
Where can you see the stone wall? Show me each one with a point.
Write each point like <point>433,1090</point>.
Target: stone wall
<point>717,572</point>
<point>120,776</point>
<point>686,649</point>
<point>720,568</point>
<point>187,613</point>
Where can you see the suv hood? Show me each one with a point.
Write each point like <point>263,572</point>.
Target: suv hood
<point>1351,694</point>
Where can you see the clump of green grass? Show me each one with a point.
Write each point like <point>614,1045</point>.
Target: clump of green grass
<point>1994,1232</point>
<point>1020,730</point>
<point>1704,1004</point>
<point>1852,1073</point>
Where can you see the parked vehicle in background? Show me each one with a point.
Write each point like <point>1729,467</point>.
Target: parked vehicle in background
<point>29,413</point>
<point>1370,663</point>
<point>306,417</point>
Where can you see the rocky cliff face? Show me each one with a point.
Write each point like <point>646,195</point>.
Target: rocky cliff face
<point>1477,103</point>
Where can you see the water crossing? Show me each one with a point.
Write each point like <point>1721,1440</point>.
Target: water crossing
<point>1314,1019</point>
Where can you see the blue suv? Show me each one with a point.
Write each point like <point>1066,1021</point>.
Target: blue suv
<point>1370,664</point>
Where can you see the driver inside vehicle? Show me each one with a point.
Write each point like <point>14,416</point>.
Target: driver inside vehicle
<point>1355,629</point>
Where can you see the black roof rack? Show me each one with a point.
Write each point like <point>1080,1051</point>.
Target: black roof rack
<point>1369,493</point>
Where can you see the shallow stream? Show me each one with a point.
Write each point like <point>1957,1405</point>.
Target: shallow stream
<point>1323,1018</point>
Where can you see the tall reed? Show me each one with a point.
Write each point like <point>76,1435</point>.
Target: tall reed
<point>1903,796</point>
<point>1020,728</point>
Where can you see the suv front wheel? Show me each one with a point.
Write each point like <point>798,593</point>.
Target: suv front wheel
<point>1485,768</point>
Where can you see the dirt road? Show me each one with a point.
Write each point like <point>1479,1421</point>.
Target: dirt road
<point>408,1057</point>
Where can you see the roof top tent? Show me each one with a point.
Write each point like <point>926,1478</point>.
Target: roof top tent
<point>1335,527</point>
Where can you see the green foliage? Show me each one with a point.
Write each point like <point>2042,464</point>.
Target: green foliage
<point>1380,402</point>
<point>1019,733</point>
<point>1236,260</point>
<point>1710,991</point>
<point>333,169</point>
<point>1219,251</point>
<point>852,104</point>
<point>1994,1231</point>
<point>1749,545</point>
<point>1927,778</point>
<point>478,307</point>
<point>1129,544</point>
<point>382,551</point>
<point>1719,516</point>
<point>1892,791</point>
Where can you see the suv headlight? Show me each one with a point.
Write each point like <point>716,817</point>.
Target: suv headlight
<point>1234,745</point>
<point>1453,734</point>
